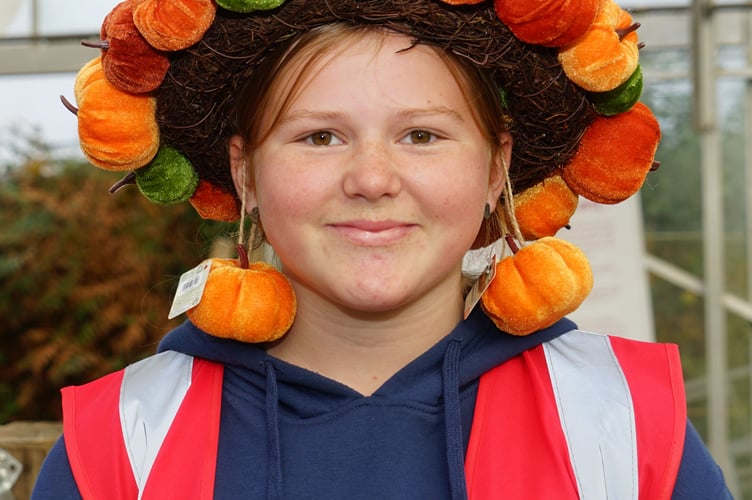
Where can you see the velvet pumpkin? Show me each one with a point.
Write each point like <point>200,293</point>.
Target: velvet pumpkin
<point>603,58</point>
<point>543,209</point>
<point>537,286</point>
<point>168,179</point>
<point>213,203</point>
<point>621,99</point>
<point>173,24</point>
<point>117,130</point>
<point>605,170</point>
<point>552,23</point>
<point>90,71</point>
<point>129,62</point>
<point>244,6</point>
<point>250,305</point>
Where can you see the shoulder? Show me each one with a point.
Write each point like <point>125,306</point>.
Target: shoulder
<point>120,422</point>
<point>638,357</point>
<point>158,383</point>
<point>162,372</point>
<point>648,373</point>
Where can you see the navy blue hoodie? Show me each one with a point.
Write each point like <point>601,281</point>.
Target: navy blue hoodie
<point>290,433</point>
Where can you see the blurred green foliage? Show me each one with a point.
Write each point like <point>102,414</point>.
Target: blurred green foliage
<point>87,277</point>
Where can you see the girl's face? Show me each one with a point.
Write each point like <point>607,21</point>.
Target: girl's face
<point>372,184</point>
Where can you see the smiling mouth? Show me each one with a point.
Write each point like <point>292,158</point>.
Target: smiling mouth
<point>373,233</point>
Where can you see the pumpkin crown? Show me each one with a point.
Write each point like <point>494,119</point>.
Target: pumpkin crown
<point>159,98</point>
<point>561,66</point>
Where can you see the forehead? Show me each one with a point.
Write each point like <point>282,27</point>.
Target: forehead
<point>335,66</point>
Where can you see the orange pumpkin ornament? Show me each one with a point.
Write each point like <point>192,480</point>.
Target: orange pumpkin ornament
<point>173,24</point>
<point>117,130</point>
<point>609,171</point>
<point>552,23</point>
<point>543,209</point>
<point>130,63</point>
<point>256,304</point>
<point>537,286</point>
<point>606,55</point>
<point>213,203</point>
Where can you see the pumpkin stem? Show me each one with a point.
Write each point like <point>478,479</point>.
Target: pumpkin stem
<point>128,179</point>
<point>626,31</point>
<point>243,256</point>
<point>70,107</point>
<point>512,244</point>
<point>99,44</point>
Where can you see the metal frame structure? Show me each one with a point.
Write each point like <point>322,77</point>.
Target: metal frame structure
<point>709,25</point>
<point>38,52</point>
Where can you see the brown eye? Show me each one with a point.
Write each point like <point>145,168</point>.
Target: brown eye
<point>321,138</point>
<point>420,137</point>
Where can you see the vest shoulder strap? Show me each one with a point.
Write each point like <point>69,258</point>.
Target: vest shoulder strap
<point>596,413</point>
<point>601,416</point>
<point>134,433</point>
<point>655,378</point>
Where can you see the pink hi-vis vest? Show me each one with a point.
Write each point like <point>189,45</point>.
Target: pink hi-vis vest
<point>584,416</point>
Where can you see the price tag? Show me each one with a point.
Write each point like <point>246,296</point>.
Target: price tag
<point>190,289</point>
<point>481,262</point>
<point>480,286</point>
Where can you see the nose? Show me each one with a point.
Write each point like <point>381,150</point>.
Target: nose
<point>373,172</point>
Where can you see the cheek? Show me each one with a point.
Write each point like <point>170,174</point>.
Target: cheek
<point>464,214</point>
<point>283,207</point>
<point>458,193</point>
<point>283,189</point>
<point>291,206</point>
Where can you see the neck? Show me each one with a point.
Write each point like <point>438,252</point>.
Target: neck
<point>363,350</point>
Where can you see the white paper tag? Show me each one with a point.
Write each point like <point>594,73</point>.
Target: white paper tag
<point>475,262</point>
<point>190,289</point>
<point>485,278</point>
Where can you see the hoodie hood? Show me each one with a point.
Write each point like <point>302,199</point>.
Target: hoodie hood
<point>440,385</point>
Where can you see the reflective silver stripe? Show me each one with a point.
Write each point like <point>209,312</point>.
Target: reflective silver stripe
<point>150,396</point>
<point>596,413</point>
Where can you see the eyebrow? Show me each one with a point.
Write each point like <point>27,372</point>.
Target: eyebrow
<point>306,114</point>
<point>431,111</point>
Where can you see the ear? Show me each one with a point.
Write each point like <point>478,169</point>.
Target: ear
<point>499,169</point>
<point>242,176</point>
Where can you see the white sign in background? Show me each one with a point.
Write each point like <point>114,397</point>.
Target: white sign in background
<point>612,238</point>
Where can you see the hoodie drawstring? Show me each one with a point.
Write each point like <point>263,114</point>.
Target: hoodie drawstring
<point>453,420</point>
<point>274,473</point>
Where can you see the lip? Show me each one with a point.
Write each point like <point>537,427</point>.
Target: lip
<point>373,233</point>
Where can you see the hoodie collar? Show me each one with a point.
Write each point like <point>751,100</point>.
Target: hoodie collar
<point>483,347</point>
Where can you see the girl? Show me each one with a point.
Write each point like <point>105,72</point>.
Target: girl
<point>373,145</point>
